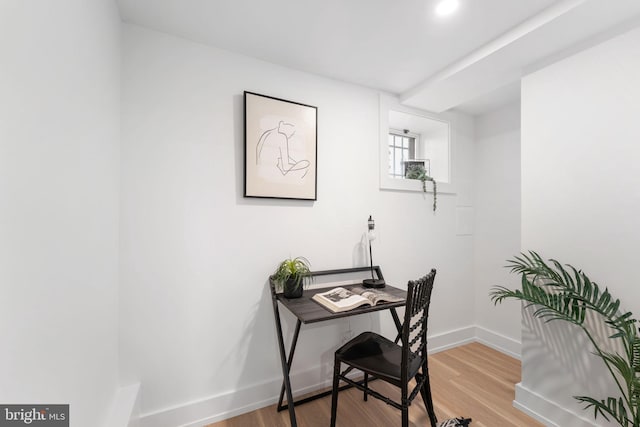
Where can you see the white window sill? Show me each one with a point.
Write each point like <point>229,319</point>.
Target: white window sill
<point>400,184</point>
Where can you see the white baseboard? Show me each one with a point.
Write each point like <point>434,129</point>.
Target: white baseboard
<point>236,402</point>
<point>226,405</point>
<point>218,407</point>
<point>451,339</point>
<point>499,342</point>
<point>126,407</point>
<point>230,404</point>
<point>533,405</point>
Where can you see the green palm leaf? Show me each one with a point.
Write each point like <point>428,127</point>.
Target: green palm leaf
<point>559,292</point>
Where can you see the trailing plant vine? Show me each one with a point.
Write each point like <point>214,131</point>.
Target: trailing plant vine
<point>419,172</point>
<point>560,293</point>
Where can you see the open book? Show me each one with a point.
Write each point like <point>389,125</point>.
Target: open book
<point>341,299</point>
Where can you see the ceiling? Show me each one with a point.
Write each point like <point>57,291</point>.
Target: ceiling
<point>471,60</point>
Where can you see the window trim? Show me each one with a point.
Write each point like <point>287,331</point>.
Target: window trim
<point>389,103</point>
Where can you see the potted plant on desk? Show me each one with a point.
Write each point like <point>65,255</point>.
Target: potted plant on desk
<point>291,276</point>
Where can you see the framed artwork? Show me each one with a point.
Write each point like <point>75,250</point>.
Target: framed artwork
<point>280,148</point>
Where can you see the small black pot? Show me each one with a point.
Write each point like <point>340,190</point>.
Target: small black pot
<point>291,290</point>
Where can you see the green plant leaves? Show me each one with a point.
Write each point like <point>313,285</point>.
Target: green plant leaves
<point>561,292</point>
<point>613,407</point>
<point>296,269</point>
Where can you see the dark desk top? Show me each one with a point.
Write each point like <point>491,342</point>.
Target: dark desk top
<point>309,311</point>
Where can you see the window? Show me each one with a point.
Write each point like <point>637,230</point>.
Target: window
<point>427,140</point>
<point>402,147</point>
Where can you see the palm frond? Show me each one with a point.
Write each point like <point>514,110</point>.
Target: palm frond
<point>613,407</point>
<point>559,292</point>
<point>573,284</point>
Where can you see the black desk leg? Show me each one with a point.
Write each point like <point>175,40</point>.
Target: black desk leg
<point>289,361</point>
<point>283,362</point>
<point>396,320</point>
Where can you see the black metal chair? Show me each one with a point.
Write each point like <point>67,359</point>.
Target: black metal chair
<point>385,360</point>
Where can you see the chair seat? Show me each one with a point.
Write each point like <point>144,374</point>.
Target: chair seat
<point>376,355</point>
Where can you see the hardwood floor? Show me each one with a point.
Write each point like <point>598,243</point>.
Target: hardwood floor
<point>473,380</point>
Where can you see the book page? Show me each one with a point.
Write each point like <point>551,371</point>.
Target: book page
<point>340,299</point>
<point>375,295</point>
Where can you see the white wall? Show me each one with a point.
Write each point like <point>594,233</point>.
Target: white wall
<point>197,326</point>
<point>437,146</point>
<point>59,148</point>
<point>580,203</point>
<point>497,223</point>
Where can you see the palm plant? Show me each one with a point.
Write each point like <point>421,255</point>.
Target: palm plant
<point>559,293</point>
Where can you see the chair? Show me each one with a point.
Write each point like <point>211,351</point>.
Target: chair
<point>380,358</point>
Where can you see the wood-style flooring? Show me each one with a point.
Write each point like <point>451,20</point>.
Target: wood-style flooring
<point>473,380</point>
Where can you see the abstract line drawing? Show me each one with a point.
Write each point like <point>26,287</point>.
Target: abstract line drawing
<point>280,148</point>
<point>280,138</point>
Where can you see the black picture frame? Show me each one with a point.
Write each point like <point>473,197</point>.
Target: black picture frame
<point>280,148</point>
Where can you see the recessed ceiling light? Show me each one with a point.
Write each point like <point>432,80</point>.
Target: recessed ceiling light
<point>447,7</point>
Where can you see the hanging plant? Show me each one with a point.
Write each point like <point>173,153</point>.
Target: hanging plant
<point>419,172</point>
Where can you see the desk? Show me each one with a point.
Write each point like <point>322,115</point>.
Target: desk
<point>308,311</point>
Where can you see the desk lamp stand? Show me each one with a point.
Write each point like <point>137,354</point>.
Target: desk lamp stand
<point>371,235</point>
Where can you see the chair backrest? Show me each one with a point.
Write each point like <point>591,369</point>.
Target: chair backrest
<point>414,331</point>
